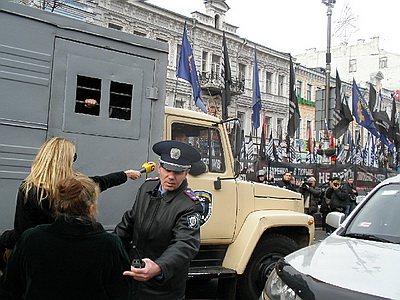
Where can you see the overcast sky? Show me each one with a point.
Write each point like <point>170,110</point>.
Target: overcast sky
<point>293,26</point>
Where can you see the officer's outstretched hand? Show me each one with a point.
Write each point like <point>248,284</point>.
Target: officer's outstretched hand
<point>149,271</point>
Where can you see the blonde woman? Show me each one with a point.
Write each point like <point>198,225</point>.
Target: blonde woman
<point>37,194</point>
<point>72,258</point>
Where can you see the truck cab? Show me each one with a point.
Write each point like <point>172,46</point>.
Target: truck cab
<point>246,226</point>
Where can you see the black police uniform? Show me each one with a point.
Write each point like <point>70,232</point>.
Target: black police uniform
<point>164,227</point>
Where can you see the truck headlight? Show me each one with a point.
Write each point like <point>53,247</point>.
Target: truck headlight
<point>276,289</point>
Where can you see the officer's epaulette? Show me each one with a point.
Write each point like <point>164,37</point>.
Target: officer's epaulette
<point>191,195</point>
<point>152,179</point>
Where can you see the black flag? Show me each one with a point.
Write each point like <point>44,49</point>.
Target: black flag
<point>226,92</point>
<point>394,132</point>
<point>341,115</point>
<point>381,118</point>
<point>294,112</point>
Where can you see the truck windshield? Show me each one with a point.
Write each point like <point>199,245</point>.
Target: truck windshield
<point>206,140</point>
<point>379,217</point>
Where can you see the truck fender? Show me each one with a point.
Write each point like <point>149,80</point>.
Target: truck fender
<point>240,251</point>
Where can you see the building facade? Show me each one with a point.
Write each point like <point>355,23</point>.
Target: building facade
<point>205,31</point>
<point>362,62</point>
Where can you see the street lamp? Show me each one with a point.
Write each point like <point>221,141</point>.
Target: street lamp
<point>329,4</point>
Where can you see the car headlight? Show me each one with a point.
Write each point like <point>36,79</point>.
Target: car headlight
<point>276,289</point>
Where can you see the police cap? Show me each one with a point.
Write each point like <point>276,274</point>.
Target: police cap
<point>175,155</point>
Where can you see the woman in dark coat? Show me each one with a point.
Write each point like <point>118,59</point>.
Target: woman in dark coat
<point>36,194</point>
<point>310,195</point>
<point>73,258</point>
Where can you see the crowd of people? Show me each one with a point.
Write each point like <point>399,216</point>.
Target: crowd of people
<point>57,249</point>
<point>333,195</point>
<point>56,241</point>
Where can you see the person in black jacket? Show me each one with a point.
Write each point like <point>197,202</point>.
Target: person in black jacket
<point>351,190</point>
<point>36,195</point>
<point>310,195</point>
<point>286,182</point>
<point>164,226</point>
<point>339,197</point>
<point>72,258</point>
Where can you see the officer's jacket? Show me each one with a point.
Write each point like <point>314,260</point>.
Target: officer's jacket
<point>166,229</point>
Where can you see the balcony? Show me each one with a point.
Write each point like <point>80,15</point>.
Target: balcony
<point>213,83</point>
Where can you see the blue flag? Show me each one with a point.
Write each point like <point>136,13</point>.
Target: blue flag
<point>256,94</point>
<point>187,70</point>
<point>361,111</point>
<point>363,115</point>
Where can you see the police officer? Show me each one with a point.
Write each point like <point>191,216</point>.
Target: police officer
<point>164,225</point>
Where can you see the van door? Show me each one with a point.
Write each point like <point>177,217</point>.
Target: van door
<point>115,134</point>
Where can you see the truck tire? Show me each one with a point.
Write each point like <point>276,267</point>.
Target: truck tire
<point>267,252</point>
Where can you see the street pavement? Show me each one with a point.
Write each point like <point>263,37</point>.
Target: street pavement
<point>208,290</point>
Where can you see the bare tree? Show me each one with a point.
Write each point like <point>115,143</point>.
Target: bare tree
<point>346,25</point>
<point>46,4</point>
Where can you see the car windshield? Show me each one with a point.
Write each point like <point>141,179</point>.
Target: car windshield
<point>379,218</point>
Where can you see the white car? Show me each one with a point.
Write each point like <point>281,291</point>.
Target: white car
<point>360,260</point>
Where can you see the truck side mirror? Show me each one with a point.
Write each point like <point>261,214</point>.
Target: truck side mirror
<point>237,140</point>
<point>236,167</point>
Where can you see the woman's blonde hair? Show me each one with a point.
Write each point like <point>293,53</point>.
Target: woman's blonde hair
<point>52,164</point>
<point>77,196</point>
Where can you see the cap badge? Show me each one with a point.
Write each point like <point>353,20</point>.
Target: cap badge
<point>175,153</point>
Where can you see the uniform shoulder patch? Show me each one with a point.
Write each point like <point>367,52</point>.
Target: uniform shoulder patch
<point>193,221</point>
<point>152,179</point>
<point>191,195</point>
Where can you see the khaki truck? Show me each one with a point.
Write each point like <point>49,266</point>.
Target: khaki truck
<point>49,64</point>
<point>246,226</point>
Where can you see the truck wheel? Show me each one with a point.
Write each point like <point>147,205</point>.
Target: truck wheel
<point>267,252</point>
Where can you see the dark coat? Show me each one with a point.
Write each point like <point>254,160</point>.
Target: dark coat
<point>339,199</point>
<point>314,194</point>
<point>168,233</point>
<point>29,213</point>
<point>287,185</point>
<point>68,259</point>
<point>349,190</point>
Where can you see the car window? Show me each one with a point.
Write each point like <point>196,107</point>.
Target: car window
<point>379,216</point>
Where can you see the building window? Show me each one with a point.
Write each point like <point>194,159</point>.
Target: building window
<point>217,21</point>
<point>281,80</point>
<point>215,67</point>
<point>269,128</point>
<point>114,26</point>
<point>309,92</point>
<point>204,63</point>
<point>268,83</point>
<point>240,116</point>
<point>317,90</point>
<point>178,54</point>
<point>382,62</point>
<point>299,86</point>
<point>242,72</point>
<point>179,103</point>
<point>352,65</point>
<point>279,128</point>
<point>139,33</point>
